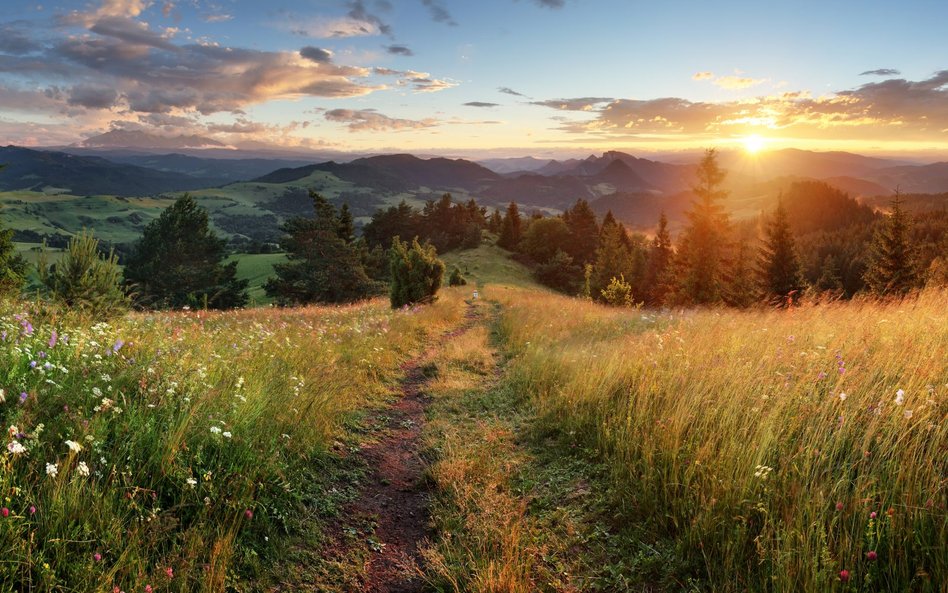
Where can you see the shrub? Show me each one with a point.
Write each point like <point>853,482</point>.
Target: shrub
<point>456,278</point>
<point>618,293</point>
<point>416,273</point>
<point>85,279</point>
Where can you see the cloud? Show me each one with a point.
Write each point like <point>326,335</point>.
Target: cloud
<point>889,109</point>
<point>578,104</point>
<point>132,32</point>
<point>737,82</point>
<point>358,12</point>
<point>326,28</point>
<point>370,120</point>
<point>481,104</point>
<point>509,91</point>
<point>92,97</point>
<point>881,72</point>
<point>217,17</point>
<point>399,50</point>
<point>550,3</point>
<point>14,41</point>
<point>702,76</point>
<point>425,84</point>
<point>439,13</point>
<point>316,54</point>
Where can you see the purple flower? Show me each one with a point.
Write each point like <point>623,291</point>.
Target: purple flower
<point>118,345</point>
<point>53,339</point>
<point>23,396</point>
<point>27,328</point>
<point>41,354</point>
<point>32,364</point>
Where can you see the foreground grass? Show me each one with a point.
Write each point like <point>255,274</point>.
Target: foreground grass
<point>777,451</point>
<point>176,451</point>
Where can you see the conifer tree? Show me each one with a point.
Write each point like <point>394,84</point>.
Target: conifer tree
<point>416,273</point>
<point>613,260</point>
<point>584,232</point>
<point>742,288</point>
<point>703,251</point>
<point>892,267</point>
<point>179,262</point>
<point>511,230</point>
<point>345,224</point>
<point>830,279</point>
<point>658,273</point>
<point>322,267</point>
<point>779,269</point>
<point>84,279</point>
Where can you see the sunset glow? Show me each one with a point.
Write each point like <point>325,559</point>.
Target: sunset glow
<point>754,143</point>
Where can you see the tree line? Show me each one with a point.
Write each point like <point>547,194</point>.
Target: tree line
<point>817,240</point>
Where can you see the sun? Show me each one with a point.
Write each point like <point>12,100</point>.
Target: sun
<point>754,143</point>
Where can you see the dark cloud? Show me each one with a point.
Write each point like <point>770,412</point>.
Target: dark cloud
<point>15,41</point>
<point>881,72</point>
<point>509,91</point>
<point>316,54</point>
<point>131,31</point>
<point>578,104</point>
<point>399,50</point>
<point>92,97</point>
<point>550,3</point>
<point>358,12</point>
<point>370,120</point>
<point>481,104</point>
<point>439,13</point>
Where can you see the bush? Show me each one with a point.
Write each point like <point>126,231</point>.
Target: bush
<point>456,279</point>
<point>12,265</point>
<point>84,279</point>
<point>416,273</point>
<point>559,273</point>
<point>618,293</point>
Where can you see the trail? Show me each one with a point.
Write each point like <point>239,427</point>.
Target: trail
<point>396,495</point>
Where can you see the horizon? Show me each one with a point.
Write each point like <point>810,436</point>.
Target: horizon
<point>443,78</point>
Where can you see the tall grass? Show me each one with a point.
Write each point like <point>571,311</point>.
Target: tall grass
<point>172,451</point>
<point>800,450</point>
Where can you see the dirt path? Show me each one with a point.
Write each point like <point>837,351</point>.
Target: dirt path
<point>396,495</point>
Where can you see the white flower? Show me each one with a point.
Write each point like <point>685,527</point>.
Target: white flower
<point>74,446</point>
<point>192,482</point>
<point>82,468</point>
<point>899,397</point>
<point>216,429</point>
<point>842,397</point>
<point>96,392</point>
<point>16,447</point>
<point>227,434</point>
<point>3,396</point>
<point>908,414</point>
<point>13,430</point>
<point>52,469</point>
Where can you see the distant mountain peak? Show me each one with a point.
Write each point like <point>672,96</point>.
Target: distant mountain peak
<point>139,139</point>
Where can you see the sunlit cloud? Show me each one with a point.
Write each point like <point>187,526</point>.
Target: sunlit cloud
<point>736,82</point>
<point>702,76</point>
<point>370,120</point>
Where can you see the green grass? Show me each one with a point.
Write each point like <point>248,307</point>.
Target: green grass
<point>257,268</point>
<point>490,265</point>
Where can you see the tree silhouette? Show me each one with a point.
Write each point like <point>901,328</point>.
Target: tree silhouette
<point>779,266</point>
<point>892,267</point>
<point>511,230</point>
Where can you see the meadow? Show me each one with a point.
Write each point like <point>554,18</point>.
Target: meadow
<point>767,450</point>
<point>177,451</point>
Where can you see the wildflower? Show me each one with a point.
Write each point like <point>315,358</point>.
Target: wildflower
<point>839,506</point>
<point>118,345</point>
<point>52,339</point>
<point>74,446</point>
<point>871,555</point>
<point>82,468</point>
<point>227,434</point>
<point>16,447</point>
<point>899,397</point>
<point>52,469</point>
<point>844,576</point>
<point>13,430</point>
<point>192,482</point>
<point>908,414</point>
<point>248,513</point>
<point>873,515</point>
<point>32,364</point>
<point>23,396</point>
<point>97,557</point>
<point>215,429</point>
<point>842,397</point>
<point>170,572</point>
<point>32,510</point>
<point>5,512</point>
<point>148,589</point>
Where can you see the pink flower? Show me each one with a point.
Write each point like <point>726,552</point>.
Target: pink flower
<point>873,515</point>
<point>5,512</point>
<point>148,589</point>
<point>871,555</point>
<point>844,576</point>
<point>32,510</point>
<point>248,513</point>
<point>170,572</point>
<point>839,506</point>
<point>97,557</point>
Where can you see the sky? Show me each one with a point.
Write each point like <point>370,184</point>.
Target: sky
<point>479,78</point>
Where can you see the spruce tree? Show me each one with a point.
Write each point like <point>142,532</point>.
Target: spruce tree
<point>613,260</point>
<point>179,262</point>
<point>416,273</point>
<point>741,289</point>
<point>85,279</point>
<point>584,232</point>
<point>658,273</point>
<point>779,268</point>
<point>322,267</point>
<point>703,251</point>
<point>511,230</point>
<point>345,225</point>
<point>892,268</point>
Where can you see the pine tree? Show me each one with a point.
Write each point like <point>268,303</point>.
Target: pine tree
<point>179,262</point>
<point>703,251</point>
<point>780,274</point>
<point>658,274</point>
<point>511,230</point>
<point>741,289</point>
<point>84,279</point>
<point>13,267</point>
<point>830,279</point>
<point>322,267</point>
<point>345,225</point>
<point>496,222</point>
<point>416,273</point>
<point>584,232</point>
<point>892,267</point>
